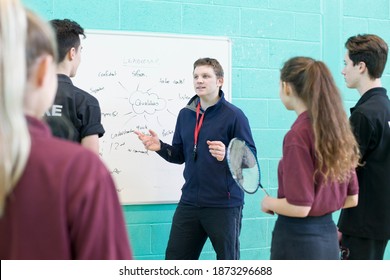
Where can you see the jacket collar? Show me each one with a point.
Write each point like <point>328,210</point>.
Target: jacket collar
<point>195,100</point>
<point>64,78</point>
<point>377,91</point>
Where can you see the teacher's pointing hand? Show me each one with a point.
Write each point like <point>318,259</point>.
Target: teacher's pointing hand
<point>151,142</point>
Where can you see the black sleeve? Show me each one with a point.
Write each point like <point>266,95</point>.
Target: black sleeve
<point>364,132</point>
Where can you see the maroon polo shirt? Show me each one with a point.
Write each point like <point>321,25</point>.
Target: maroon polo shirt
<point>64,206</point>
<point>296,169</point>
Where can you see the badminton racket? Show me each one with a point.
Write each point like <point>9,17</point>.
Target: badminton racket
<point>244,166</point>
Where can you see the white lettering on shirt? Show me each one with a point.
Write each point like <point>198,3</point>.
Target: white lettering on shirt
<point>55,111</point>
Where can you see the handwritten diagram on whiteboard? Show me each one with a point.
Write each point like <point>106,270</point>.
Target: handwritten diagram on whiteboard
<point>142,81</point>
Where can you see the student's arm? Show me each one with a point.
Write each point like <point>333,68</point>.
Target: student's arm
<point>364,132</point>
<point>353,192</point>
<point>91,142</point>
<point>283,207</point>
<point>351,201</point>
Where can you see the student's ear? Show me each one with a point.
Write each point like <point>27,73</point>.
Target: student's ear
<point>42,70</point>
<point>286,87</point>
<point>362,66</point>
<point>72,53</point>
<point>220,81</point>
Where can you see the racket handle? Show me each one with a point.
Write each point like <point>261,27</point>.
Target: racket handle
<point>263,189</point>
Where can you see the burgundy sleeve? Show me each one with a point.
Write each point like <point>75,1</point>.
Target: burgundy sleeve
<point>96,222</point>
<point>353,186</point>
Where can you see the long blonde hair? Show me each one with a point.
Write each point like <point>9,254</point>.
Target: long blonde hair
<point>337,151</point>
<point>24,37</point>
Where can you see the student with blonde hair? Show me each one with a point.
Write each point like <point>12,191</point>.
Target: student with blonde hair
<point>316,174</point>
<point>65,208</point>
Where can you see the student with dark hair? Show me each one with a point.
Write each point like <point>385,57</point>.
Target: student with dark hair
<point>65,208</point>
<point>75,114</point>
<point>366,228</point>
<point>211,202</point>
<point>316,174</point>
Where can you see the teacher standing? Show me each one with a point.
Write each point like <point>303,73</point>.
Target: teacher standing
<point>211,202</point>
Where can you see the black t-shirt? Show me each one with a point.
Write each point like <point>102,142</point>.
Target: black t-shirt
<point>75,113</point>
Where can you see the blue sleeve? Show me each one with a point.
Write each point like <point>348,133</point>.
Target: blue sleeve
<point>243,131</point>
<point>173,153</point>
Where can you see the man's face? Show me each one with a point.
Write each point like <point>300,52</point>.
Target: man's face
<point>206,83</point>
<point>350,72</point>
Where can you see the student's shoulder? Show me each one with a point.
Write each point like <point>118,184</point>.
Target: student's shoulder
<point>67,88</point>
<point>82,92</point>
<point>59,148</point>
<point>371,109</point>
<point>83,96</point>
<point>300,134</point>
<point>232,109</point>
<point>67,157</point>
<point>74,167</point>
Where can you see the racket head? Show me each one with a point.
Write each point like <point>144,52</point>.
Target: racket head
<point>243,165</point>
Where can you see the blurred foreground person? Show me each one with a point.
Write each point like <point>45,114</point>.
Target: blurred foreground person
<point>57,199</point>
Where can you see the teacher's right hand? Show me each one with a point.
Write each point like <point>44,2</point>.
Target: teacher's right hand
<point>151,142</point>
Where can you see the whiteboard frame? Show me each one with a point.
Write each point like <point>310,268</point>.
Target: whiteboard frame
<point>227,72</point>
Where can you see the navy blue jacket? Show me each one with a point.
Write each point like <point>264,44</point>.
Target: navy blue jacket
<point>208,182</point>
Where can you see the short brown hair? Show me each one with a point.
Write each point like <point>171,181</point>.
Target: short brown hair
<point>370,49</point>
<point>207,61</point>
<point>68,34</point>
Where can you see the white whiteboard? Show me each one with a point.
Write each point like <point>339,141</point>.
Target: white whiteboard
<point>142,81</point>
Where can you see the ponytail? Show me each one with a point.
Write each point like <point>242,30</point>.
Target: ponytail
<point>337,151</point>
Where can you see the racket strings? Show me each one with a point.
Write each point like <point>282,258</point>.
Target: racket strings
<point>243,166</point>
